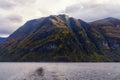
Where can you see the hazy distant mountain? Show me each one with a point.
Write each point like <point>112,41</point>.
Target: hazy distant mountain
<point>62,38</point>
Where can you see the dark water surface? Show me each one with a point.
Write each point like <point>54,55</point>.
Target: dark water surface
<point>59,71</point>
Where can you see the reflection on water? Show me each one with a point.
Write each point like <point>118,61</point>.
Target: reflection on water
<point>59,71</point>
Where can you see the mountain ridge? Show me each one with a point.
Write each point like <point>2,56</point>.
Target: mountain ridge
<point>59,38</point>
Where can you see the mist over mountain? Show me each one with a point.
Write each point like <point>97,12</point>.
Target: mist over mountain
<point>63,38</point>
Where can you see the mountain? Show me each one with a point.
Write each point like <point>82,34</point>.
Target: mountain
<point>110,29</point>
<point>109,26</point>
<point>59,38</point>
<point>2,39</point>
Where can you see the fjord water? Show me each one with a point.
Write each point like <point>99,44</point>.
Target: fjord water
<point>59,71</point>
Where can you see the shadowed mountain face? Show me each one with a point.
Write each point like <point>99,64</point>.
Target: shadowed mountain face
<point>59,38</point>
<point>109,26</point>
<point>110,29</point>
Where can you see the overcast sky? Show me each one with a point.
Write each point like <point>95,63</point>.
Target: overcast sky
<point>14,13</point>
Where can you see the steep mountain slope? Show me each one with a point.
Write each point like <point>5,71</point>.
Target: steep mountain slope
<point>110,26</point>
<point>110,29</point>
<point>56,38</point>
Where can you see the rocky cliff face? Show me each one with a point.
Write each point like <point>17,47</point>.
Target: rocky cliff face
<point>60,38</point>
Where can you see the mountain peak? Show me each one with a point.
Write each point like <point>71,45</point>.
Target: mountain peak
<point>60,16</point>
<point>111,19</point>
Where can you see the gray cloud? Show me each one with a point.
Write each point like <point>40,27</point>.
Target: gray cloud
<point>11,4</point>
<point>15,18</point>
<point>5,4</point>
<point>93,11</point>
<point>24,2</point>
<point>9,24</point>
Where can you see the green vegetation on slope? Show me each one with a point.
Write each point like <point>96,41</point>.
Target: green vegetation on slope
<point>57,38</point>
